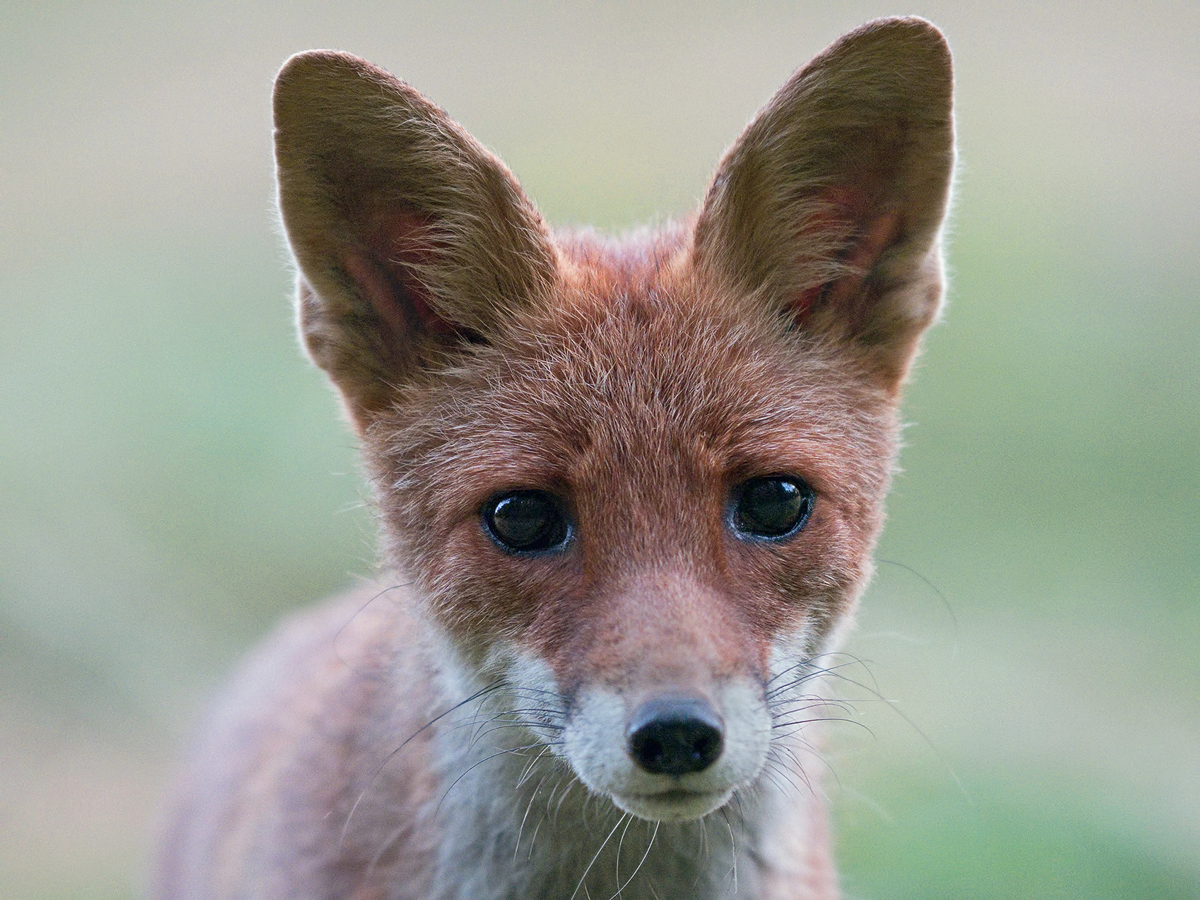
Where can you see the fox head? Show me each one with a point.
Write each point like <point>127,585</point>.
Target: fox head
<point>637,483</point>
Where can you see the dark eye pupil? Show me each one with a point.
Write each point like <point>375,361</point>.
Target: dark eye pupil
<point>772,507</point>
<point>525,521</point>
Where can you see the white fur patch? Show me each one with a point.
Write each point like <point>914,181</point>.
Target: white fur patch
<point>596,745</point>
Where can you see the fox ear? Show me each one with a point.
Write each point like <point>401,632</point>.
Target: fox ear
<point>830,204</point>
<point>410,237</point>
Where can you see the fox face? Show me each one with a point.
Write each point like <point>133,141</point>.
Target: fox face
<point>634,483</point>
<point>666,505</point>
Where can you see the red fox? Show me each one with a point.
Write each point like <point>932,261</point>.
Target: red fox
<point>629,492</point>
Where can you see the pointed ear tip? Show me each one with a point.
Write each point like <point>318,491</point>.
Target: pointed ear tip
<point>315,69</point>
<point>330,80</point>
<point>301,72</point>
<point>921,35</point>
<point>915,27</point>
<point>299,65</point>
<point>910,35</point>
<point>913,50</point>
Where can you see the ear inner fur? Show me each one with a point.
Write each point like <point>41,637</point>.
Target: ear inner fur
<point>408,233</point>
<point>830,204</point>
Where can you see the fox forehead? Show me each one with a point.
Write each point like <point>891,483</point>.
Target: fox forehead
<point>637,376</point>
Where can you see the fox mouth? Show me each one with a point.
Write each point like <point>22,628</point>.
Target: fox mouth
<point>675,804</point>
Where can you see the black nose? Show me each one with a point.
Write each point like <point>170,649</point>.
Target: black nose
<point>675,736</point>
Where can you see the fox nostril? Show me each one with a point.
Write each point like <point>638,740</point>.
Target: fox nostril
<point>675,736</point>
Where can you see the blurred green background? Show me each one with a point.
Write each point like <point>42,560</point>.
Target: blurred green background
<point>173,476</point>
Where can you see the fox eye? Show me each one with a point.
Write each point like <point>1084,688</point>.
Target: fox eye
<point>771,508</point>
<point>526,522</point>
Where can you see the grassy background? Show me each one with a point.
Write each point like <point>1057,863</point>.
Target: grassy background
<point>173,476</point>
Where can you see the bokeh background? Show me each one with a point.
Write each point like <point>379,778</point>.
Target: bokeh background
<point>174,477</point>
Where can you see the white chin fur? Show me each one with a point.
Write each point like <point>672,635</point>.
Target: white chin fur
<point>672,806</point>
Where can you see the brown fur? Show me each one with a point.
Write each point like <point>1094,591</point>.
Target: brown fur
<point>640,382</point>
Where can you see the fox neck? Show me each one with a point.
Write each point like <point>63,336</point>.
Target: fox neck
<point>520,826</point>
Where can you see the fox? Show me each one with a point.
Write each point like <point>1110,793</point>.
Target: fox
<point>629,490</point>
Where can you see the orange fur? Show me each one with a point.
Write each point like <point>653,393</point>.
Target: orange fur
<point>478,725</point>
